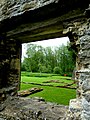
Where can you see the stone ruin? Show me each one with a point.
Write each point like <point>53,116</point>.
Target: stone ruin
<point>23,21</point>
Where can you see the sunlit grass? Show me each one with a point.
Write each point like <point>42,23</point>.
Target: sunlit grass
<point>52,94</point>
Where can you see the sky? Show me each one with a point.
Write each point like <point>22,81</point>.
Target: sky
<point>46,43</point>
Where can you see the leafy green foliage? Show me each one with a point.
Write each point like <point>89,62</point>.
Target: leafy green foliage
<point>45,60</point>
<point>56,70</point>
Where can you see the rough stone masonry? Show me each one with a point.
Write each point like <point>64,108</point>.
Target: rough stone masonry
<point>26,21</point>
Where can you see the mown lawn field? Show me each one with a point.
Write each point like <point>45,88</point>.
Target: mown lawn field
<point>50,93</point>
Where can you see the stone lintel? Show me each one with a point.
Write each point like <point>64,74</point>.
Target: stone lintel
<point>38,20</point>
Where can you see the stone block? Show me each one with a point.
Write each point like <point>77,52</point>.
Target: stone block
<point>86,105</point>
<point>75,105</point>
<point>86,85</point>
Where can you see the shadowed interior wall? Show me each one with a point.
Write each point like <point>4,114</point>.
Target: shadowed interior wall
<point>10,55</point>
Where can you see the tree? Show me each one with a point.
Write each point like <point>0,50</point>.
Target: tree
<point>39,59</point>
<point>35,56</point>
<point>50,58</point>
<point>65,60</point>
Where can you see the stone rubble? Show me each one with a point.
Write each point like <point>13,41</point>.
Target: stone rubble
<point>17,108</point>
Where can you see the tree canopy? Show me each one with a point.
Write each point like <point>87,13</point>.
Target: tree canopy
<point>47,60</point>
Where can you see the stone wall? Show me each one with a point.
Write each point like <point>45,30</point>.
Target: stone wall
<point>77,28</point>
<point>84,72</point>
<point>10,8</point>
<point>79,33</point>
<point>9,66</point>
<point>32,109</point>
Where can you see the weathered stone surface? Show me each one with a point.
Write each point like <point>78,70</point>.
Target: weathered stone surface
<point>10,8</point>
<point>24,21</point>
<point>27,20</point>
<point>9,67</point>
<point>84,73</point>
<point>32,109</point>
<point>28,92</point>
<point>75,108</point>
<point>79,37</point>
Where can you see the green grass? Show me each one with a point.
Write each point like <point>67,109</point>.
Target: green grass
<point>52,94</point>
<point>30,74</point>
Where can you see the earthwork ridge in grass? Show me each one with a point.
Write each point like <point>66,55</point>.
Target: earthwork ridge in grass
<point>65,85</point>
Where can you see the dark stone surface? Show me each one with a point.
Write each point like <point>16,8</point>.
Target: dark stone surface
<point>9,67</point>
<point>34,20</point>
<point>32,109</point>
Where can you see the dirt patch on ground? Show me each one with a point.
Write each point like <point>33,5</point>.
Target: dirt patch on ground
<point>52,81</point>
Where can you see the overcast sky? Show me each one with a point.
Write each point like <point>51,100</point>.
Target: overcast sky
<point>46,43</point>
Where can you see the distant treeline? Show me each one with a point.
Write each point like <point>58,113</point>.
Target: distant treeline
<point>58,60</point>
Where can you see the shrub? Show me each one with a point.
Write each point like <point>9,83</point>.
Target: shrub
<point>56,70</point>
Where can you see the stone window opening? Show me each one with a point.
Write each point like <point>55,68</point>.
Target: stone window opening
<point>70,49</point>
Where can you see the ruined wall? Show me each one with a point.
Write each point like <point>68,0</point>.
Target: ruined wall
<point>10,8</point>
<point>9,67</point>
<point>32,109</point>
<point>79,33</point>
<point>77,28</point>
<point>84,72</point>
